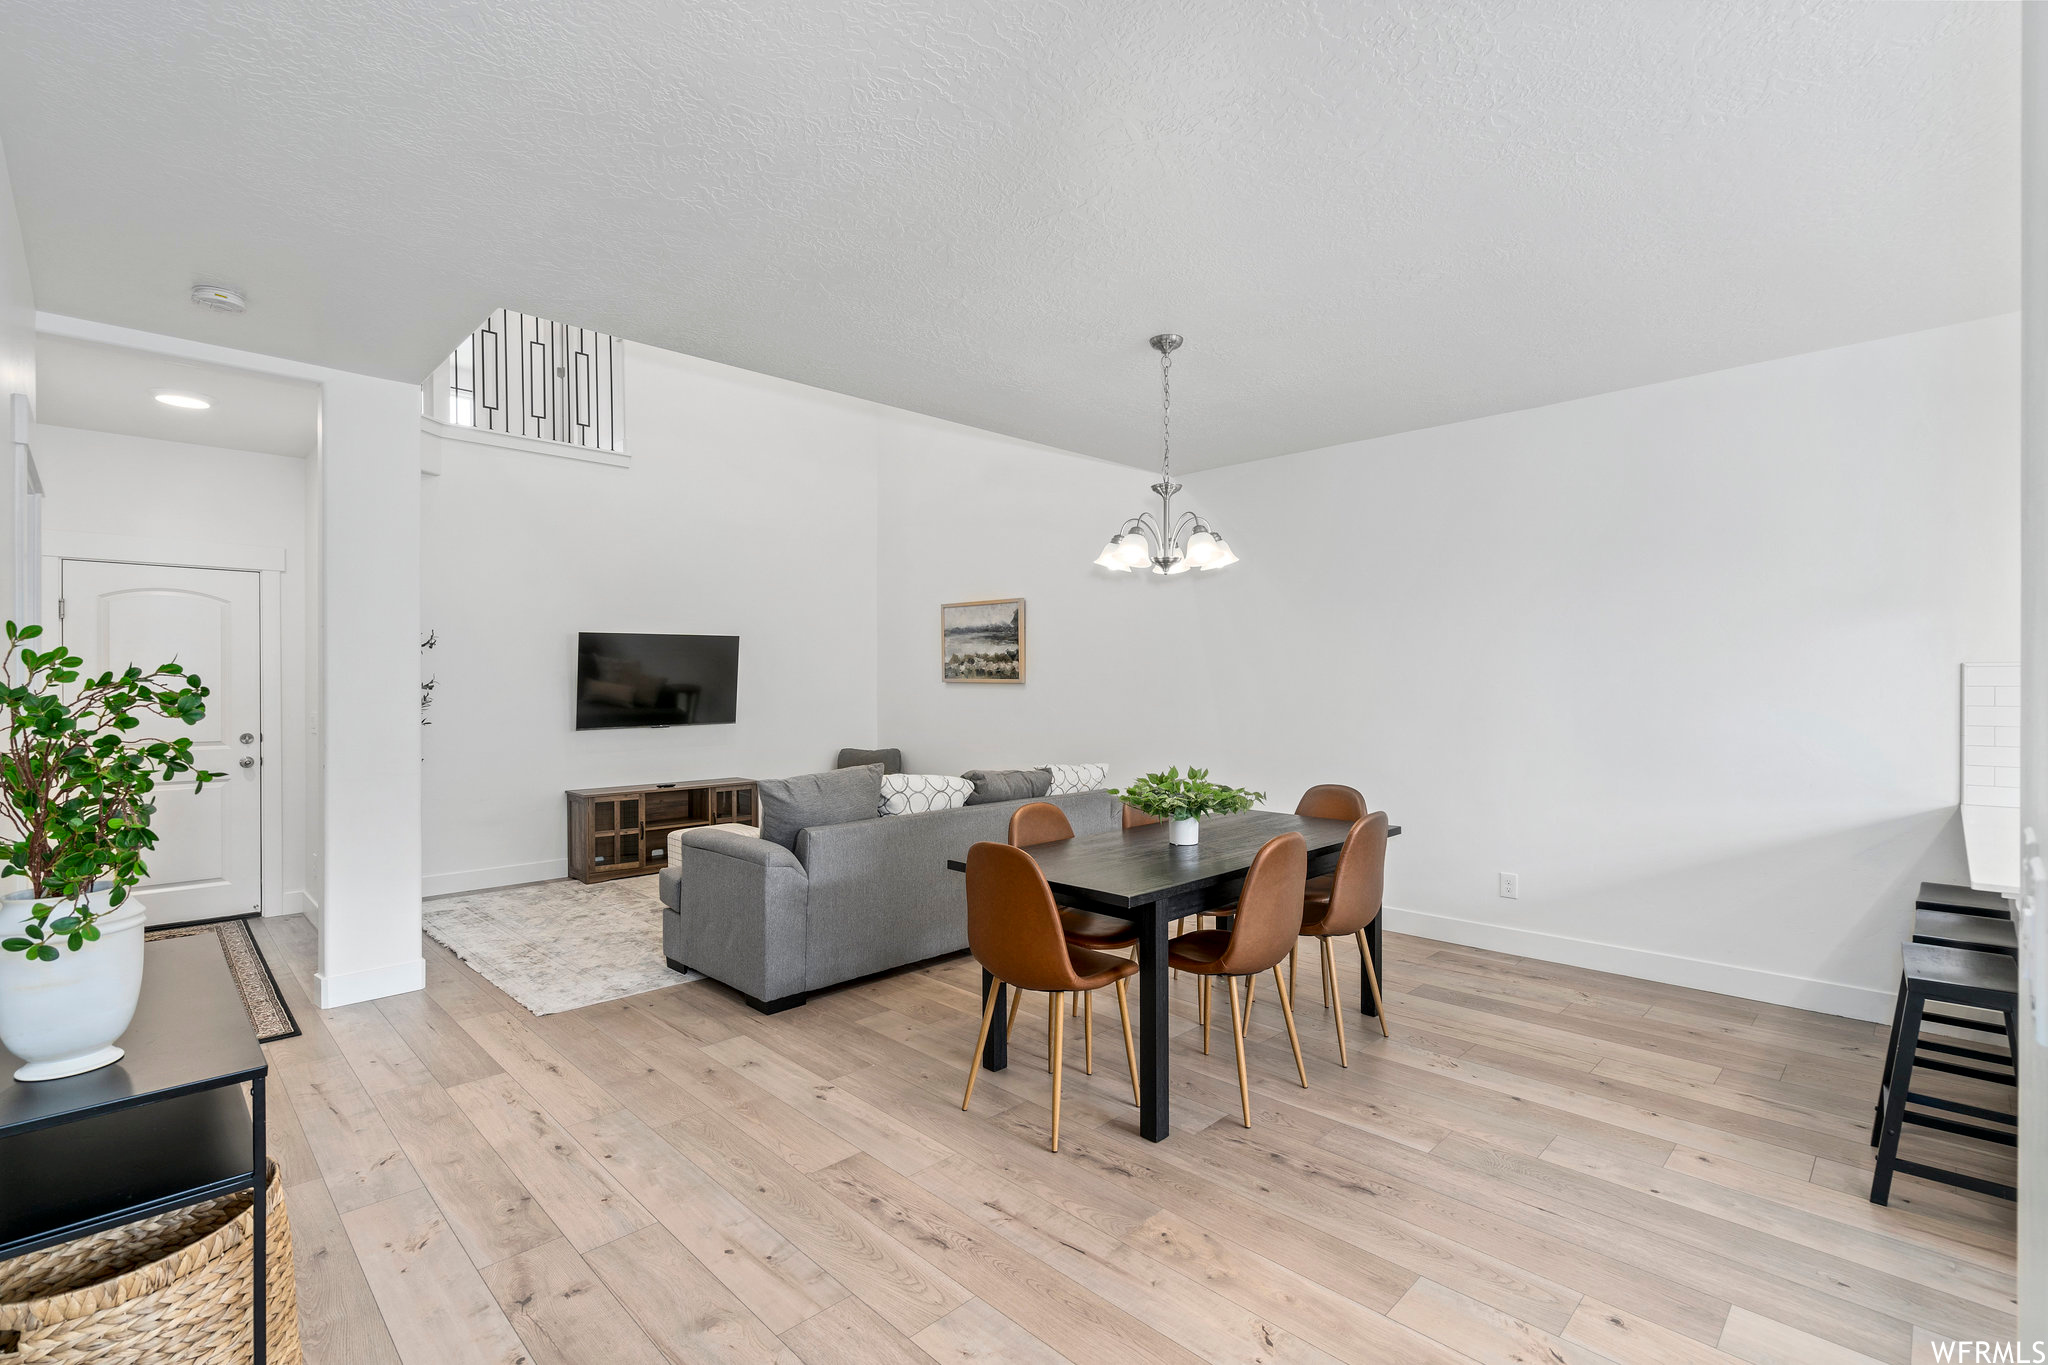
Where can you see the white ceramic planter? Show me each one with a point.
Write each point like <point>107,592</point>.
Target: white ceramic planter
<point>1183,831</point>
<point>62,1017</point>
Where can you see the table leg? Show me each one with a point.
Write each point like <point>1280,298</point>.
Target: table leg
<point>261,1168</point>
<point>1154,923</point>
<point>995,1054</point>
<point>1379,963</point>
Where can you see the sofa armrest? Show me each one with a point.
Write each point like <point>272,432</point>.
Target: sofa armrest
<point>740,912</point>
<point>765,852</point>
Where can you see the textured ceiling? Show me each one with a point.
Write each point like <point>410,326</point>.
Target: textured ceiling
<point>111,388</point>
<point>1365,217</point>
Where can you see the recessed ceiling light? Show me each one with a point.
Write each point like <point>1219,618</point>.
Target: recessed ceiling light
<point>182,400</point>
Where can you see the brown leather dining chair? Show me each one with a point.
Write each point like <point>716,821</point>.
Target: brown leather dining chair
<point>1041,822</point>
<point>1266,924</point>
<point>1013,930</point>
<point>1324,801</point>
<point>1137,819</point>
<point>1345,910</point>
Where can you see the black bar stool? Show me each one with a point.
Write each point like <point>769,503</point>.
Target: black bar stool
<point>1952,929</point>
<point>1953,976</point>
<point>1963,900</point>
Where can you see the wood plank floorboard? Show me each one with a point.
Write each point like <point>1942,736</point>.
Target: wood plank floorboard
<point>1542,1164</point>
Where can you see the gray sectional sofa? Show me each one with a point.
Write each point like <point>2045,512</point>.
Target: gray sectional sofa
<point>852,898</point>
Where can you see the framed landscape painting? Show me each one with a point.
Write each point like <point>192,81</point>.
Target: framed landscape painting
<point>982,642</point>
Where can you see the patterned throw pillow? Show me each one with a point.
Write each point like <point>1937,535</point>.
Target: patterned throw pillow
<point>1068,778</point>
<point>909,793</point>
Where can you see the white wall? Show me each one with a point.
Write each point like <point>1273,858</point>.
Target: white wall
<point>17,300</point>
<point>178,491</point>
<point>17,355</point>
<point>1683,657</point>
<point>2033,1060</point>
<point>748,509</point>
<point>1115,671</point>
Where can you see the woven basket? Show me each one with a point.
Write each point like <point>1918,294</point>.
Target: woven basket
<point>175,1287</point>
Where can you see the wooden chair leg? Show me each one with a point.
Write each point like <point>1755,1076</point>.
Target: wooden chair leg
<point>1244,1085</point>
<point>1123,1007</point>
<point>1287,1013</point>
<point>1372,979</point>
<point>988,1016</point>
<point>1205,1014</point>
<point>1330,993</point>
<point>1059,1048</point>
<point>1016,999</point>
<point>1088,1029</point>
<point>1052,1023</point>
<point>1251,986</point>
<point>1291,953</point>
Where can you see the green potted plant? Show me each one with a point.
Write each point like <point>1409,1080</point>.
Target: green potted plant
<point>1182,801</point>
<point>76,778</point>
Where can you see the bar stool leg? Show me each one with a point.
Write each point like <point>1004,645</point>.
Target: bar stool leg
<point>1895,1099</point>
<point>1891,1050</point>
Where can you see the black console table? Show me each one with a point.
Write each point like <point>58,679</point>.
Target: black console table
<point>162,1128</point>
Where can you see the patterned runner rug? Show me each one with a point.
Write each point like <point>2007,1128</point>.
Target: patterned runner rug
<point>260,996</point>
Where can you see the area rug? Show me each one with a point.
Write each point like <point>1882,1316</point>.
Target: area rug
<point>555,946</point>
<point>251,970</point>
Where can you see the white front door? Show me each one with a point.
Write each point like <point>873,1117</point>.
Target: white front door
<point>208,861</point>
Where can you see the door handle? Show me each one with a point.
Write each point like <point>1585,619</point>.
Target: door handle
<point>248,738</point>
<point>248,762</point>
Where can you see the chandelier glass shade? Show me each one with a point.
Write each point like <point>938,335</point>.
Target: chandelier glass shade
<point>1168,544</point>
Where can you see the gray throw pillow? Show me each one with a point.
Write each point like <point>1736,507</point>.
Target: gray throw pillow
<point>890,759</point>
<point>790,805</point>
<point>1007,784</point>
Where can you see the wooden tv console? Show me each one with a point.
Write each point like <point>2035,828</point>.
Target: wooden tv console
<point>623,831</point>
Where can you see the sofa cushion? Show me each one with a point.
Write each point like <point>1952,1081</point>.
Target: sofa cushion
<point>890,759</point>
<point>1068,778</point>
<point>912,793</point>
<point>790,805</point>
<point>1007,784</point>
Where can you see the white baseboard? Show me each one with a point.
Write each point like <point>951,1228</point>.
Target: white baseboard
<point>484,878</point>
<point>299,903</point>
<point>1749,983</point>
<point>373,983</point>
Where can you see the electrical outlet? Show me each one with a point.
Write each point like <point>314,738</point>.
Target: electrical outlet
<point>1510,886</point>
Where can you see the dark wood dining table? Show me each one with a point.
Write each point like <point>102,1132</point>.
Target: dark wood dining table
<point>1136,875</point>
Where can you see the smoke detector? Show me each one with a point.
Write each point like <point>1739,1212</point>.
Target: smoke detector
<point>218,298</point>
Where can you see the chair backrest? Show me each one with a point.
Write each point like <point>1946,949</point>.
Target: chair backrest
<point>1134,818</point>
<point>1331,801</point>
<point>1040,822</point>
<point>1361,877</point>
<point>1268,908</point>
<point>1013,927</point>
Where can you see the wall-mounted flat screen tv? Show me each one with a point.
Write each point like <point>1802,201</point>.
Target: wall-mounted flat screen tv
<point>631,680</point>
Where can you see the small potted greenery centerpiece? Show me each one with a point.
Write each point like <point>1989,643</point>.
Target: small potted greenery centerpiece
<point>1182,801</point>
<point>75,785</point>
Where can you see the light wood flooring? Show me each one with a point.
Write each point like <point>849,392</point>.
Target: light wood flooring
<point>1544,1165</point>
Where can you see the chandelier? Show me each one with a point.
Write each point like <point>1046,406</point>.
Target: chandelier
<point>1170,546</point>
